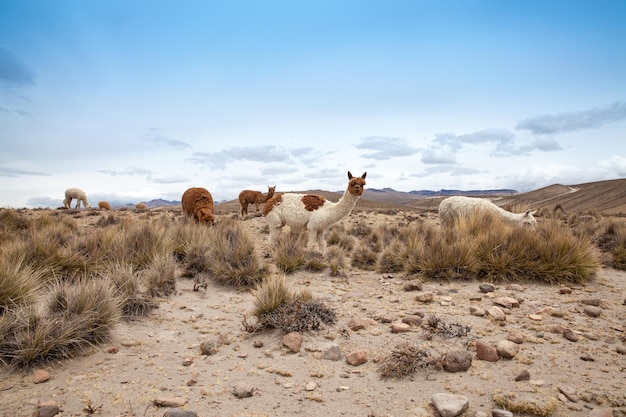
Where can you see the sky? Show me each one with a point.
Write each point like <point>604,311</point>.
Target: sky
<point>139,100</point>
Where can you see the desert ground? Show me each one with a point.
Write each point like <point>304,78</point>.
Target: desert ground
<point>159,358</point>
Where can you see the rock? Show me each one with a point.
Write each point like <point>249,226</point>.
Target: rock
<point>587,358</point>
<point>496,412</point>
<point>311,386</point>
<point>556,329</point>
<point>412,320</point>
<point>516,337</point>
<point>400,328</point>
<point>40,375</point>
<point>332,354</point>
<point>450,405</point>
<point>487,287</point>
<point>457,361</point>
<point>293,341</point>
<point>507,349</point>
<point>258,344</point>
<point>507,302</point>
<point>496,313</point>
<point>592,311</point>
<point>486,352</point>
<point>425,297</point>
<point>46,411</point>
<point>591,302</point>
<point>356,358</point>
<point>243,391</point>
<point>477,311</point>
<point>565,290</point>
<point>413,286</point>
<point>173,402</point>
<point>569,392</point>
<point>113,350</point>
<point>359,324</point>
<point>524,375</point>
<point>621,350</point>
<point>535,317</point>
<point>570,335</point>
<point>515,287</point>
<point>209,347</point>
<point>600,412</point>
<point>179,412</point>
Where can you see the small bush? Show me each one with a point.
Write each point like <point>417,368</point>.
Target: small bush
<point>364,257</point>
<point>160,276</point>
<point>289,252</point>
<point>405,360</point>
<point>19,283</point>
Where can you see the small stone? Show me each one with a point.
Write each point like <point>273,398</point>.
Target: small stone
<point>40,375</point>
<point>243,391</point>
<point>515,287</point>
<point>400,328</point>
<point>516,337</point>
<point>356,358</point>
<point>496,313</point>
<point>506,302</point>
<point>170,401</point>
<point>535,317</point>
<point>486,352</point>
<point>487,287</point>
<point>179,412</point>
<point>311,386</point>
<point>587,358</point>
<point>293,341</point>
<point>524,375</point>
<point>601,412</point>
<point>332,354</point>
<point>556,329</point>
<point>592,302</point>
<point>477,311</point>
<point>358,324</point>
<point>113,350</point>
<point>209,348</point>
<point>258,344</point>
<point>570,335</point>
<point>188,362</point>
<point>501,413</point>
<point>450,405</point>
<point>621,350</point>
<point>413,286</point>
<point>565,290</point>
<point>425,297</point>
<point>507,349</point>
<point>457,361</point>
<point>592,311</point>
<point>412,320</point>
<point>569,392</point>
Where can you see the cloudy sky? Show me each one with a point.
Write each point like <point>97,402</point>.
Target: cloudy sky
<point>137,100</point>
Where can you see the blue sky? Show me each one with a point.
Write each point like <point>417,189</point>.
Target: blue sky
<point>136,100</point>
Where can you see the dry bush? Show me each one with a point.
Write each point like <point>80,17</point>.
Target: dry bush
<point>314,261</point>
<point>405,360</point>
<point>78,315</point>
<point>338,236</point>
<point>233,259</point>
<point>610,238</point>
<point>19,282</point>
<point>160,276</point>
<point>364,257</point>
<point>336,261</point>
<point>435,324</point>
<point>289,252</point>
<point>135,302</point>
<point>391,259</point>
<point>277,306</point>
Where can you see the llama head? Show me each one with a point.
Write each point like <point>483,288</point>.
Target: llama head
<point>205,216</point>
<point>356,184</point>
<point>270,191</point>
<point>528,218</point>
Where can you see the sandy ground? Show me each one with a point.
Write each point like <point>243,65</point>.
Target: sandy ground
<point>160,356</point>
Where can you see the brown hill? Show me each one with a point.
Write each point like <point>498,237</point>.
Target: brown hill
<point>606,197</point>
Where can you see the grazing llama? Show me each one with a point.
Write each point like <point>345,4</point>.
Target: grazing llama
<point>247,197</point>
<point>197,202</point>
<point>104,205</point>
<point>310,212</point>
<point>453,208</point>
<point>79,195</point>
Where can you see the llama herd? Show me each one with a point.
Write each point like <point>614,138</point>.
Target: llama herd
<point>312,213</point>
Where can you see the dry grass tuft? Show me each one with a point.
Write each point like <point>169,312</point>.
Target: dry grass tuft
<point>405,360</point>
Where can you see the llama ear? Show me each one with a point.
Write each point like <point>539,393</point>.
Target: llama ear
<point>349,175</point>
<point>364,174</point>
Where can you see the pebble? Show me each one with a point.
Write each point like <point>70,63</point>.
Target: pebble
<point>170,401</point>
<point>507,349</point>
<point>457,361</point>
<point>425,297</point>
<point>179,412</point>
<point>486,352</point>
<point>357,358</point>
<point>293,341</point>
<point>524,375</point>
<point>570,335</point>
<point>400,328</point>
<point>450,405</point>
<point>487,287</point>
<point>477,311</point>
<point>592,311</point>
<point>40,375</point>
<point>501,413</point>
<point>496,313</point>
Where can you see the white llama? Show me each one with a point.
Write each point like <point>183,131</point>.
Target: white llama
<point>453,208</point>
<point>79,195</point>
<point>310,212</point>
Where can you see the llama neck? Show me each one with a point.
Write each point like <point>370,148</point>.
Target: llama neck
<point>343,207</point>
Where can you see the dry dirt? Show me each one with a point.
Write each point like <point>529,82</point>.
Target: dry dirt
<point>160,356</point>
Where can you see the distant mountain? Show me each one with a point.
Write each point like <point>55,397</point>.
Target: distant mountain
<point>159,202</point>
<point>389,195</point>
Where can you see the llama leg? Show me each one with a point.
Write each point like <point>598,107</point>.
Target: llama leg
<point>320,241</point>
<point>77,204</point>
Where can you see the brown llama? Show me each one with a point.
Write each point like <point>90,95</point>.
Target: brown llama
<point>247,197</point>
